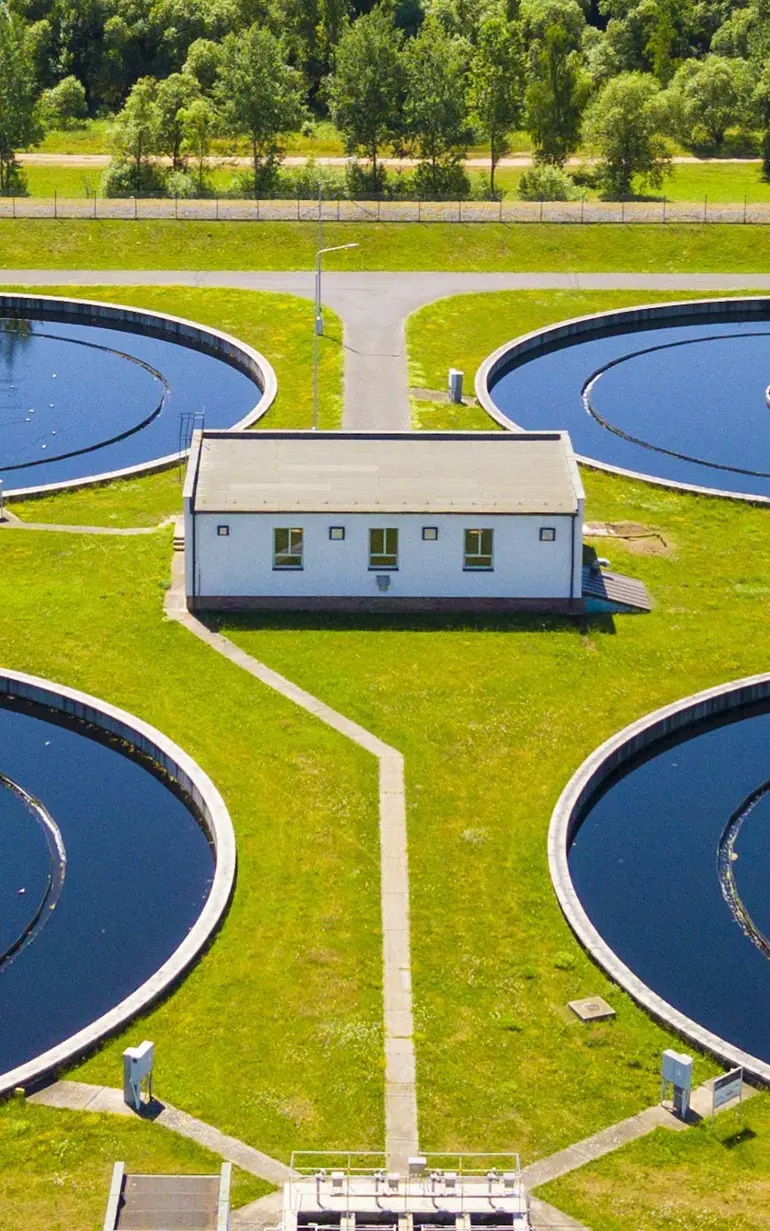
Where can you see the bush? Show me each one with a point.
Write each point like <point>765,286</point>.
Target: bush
<point>184,185</point>
<point>546,183</point>
<point>120,179</point>
<point>64,106</point>
<point>446,181</point>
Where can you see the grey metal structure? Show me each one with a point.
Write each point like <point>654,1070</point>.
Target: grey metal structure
<point>168,1202</point>
<point>356,1192</point>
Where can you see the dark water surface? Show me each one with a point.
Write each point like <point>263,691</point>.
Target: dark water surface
<point>644,863</point>
<point>694,390</point>
<point>74,389</point>
<point>138,871</point>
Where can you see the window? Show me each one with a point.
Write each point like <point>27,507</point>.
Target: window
<point>547,534</point>
<point>430,533</point>
<point>336,532</point>
<point>223,531</point>
<point>478,549</point>
<point>287,548</point>
<point>383,549</point>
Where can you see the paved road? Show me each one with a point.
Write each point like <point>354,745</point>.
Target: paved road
<point>374,308</point>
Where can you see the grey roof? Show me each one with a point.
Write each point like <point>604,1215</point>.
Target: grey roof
<point>282,472</point>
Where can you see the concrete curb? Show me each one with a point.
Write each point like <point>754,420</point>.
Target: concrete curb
<point>173,328</point>
<point>183,770</point>
<point>613,753</point>
<point>531,344</point>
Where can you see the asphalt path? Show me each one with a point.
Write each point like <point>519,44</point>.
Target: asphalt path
<point>374,308</point>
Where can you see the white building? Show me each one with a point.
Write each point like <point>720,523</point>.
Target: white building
<point>482,521</point>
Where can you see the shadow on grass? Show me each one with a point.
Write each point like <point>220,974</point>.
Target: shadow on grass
<point>737,1139</point>
<point>427,622</point>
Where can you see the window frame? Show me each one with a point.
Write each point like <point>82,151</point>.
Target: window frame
<point>378,560</point>
<point>547,534</point>
<point>430,534</point>
<point>223,531</point>
<point>280,566</point>
<point>336,534</point>
<point>469,564</point>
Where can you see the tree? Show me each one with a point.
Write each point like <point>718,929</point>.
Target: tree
<point>260,97</point>
<point>366,92</point>
<point>199,123</point>
<point>173,95</point>
<point>496,85</point>
<point>435,110</point>
<point>64,106</point>
<point>135,133</point>
<point>624,124</point>
<point>710,96</point>
<point>558,83</point>
<point>204,58</point>
<point>19,125</point>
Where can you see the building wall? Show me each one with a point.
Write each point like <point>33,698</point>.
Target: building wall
<point>241,564</point>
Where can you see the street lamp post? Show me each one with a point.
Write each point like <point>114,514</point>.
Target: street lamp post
<point>319,322</point>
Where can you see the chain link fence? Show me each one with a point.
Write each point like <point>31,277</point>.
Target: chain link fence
<point>224,209</point>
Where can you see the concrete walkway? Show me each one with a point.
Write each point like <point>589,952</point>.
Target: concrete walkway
<point>400,1090</point>
<point>374,307</point>
<point>80,1096</point>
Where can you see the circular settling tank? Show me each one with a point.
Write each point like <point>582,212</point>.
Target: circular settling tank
<point>107,869</point>
<point>660,854</point>
<point>91,390</point>
<point>672,393</point>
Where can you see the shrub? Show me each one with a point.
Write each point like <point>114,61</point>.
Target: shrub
<point>64,106</point>
<point>445,181</point>
<point>547,183</point>
<point>121,179</point>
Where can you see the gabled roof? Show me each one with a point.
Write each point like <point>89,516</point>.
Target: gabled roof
<point>404,472</point>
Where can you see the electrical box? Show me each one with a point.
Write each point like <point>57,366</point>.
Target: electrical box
<point>677,1069</point>
<point>455,385</point>
<point>137,1069</point>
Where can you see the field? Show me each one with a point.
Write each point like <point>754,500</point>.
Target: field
<point>713,1178</point>
<point>523,248</point>
<point>55,1166</point>
<point>283,1014</point>
<point>720,182</point>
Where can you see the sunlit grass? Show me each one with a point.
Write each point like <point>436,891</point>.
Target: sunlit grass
<point>279,326</point>
<point>56,1166</point>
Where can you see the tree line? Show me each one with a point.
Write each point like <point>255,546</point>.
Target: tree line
<point>425,78</point>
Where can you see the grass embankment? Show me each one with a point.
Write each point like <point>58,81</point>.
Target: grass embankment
<point>279,326</point>
<point>711,1178</point>
<point>493,716</point>
<point>56,1166</point>
<point>275,1036</point>
<point>47,244</point>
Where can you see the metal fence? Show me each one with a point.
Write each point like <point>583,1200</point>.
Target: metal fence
<point>224,209</point>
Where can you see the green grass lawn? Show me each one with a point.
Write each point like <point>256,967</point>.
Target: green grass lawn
<point>56,1166</point>
<point>275,1036</point>
<point>721,182</point>
<point>443,417</point>
<point>493,716</point>
<point>711,1178</point>
<point>47,244</point>
<point>280,326</point>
